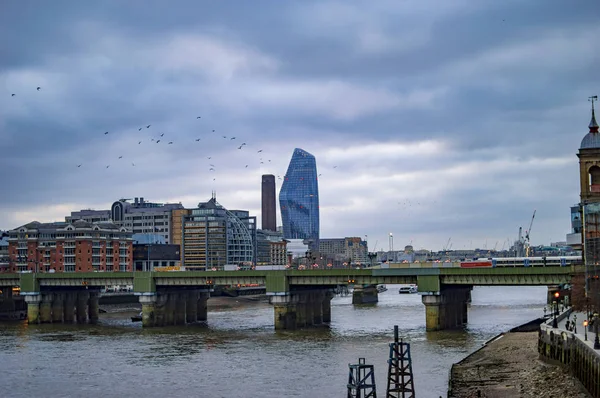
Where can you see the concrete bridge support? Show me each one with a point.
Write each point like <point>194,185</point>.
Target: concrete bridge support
<point>446,309</point>
<point>46,308</point>
<point>93,307</point>
<point>364,294</point>
<point>69,308</point>
<point>170,304</point>
<point>160,307</point>
<point>326,306</point>
<point>192,307</point>
<point>296,310</point>
<point>82,306</point>
<point>58,308</point>
<point>285,312</point>
<point>33,308</point>
<point>180,308</point>
<point>8,302</point>
<point>148,308</point>
<point>202,307</point>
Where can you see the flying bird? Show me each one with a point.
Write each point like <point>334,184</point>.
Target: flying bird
<point>269,160</point>
<point>133,164</point>
<point>170,142</point>
<point>259,151</point>
<point>243,143</point>
<point>139,142</point>
<point>151,139</point>
<point>121,157</point>
<point>246,166</point>
<point>12,95</point>
<point>78,165</point>
<point>162,134</point>
<point>214,179</point>
<point>108,166</point>
<point>262,162</point>
<point>38,88</point>
<point>148,126</point>
<point>157,141</point>
<point>213,131</point>
<point>197,139</point>
<point>140,129</point>
<point>211,165</point>
<point>240,147</point>
<point>210,157</point>
<point>233,138</point>
<point>335,167</point>
<point>106,133</point>
<point>198,117</point>
<point>224,136</point>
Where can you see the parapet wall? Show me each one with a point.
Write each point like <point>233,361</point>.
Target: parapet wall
<point>568,350</point>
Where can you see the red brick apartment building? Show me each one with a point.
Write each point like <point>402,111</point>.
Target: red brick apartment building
<point>79,246</point>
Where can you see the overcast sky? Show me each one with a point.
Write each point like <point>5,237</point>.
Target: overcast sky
<point>428,119</point>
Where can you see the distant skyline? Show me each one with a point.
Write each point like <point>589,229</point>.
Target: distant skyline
<point>430,120</point>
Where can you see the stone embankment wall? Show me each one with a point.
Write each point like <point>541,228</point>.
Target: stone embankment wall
<point>576,356</point>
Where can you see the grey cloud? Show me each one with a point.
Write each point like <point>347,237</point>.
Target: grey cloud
<point>103,68</point>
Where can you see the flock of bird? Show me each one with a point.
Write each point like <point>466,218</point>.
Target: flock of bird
<point>160,138</point>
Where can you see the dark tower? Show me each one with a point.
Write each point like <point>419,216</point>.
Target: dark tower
<point>269,215</point>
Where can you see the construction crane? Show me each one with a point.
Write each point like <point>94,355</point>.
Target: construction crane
<point>527,235</point>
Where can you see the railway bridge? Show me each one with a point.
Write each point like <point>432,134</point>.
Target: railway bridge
<point>299,298</point>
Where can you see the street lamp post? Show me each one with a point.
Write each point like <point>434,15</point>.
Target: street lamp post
<point>555,302</point>
<point>585,326</point>
<point>596,340</point>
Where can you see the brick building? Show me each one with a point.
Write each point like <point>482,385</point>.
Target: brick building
<point>79,246</point>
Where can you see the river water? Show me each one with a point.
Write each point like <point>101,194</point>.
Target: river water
<point>238,354</point>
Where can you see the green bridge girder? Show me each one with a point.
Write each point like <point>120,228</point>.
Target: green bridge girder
<point>281,282</point>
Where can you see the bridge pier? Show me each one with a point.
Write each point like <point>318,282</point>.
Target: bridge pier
<point>160,308</point>
<point>285,312</point>
<point>446,309</point>
<point>317,305</point>
<point>180,308</point>
<point>93,307</point>
<point>33,307</point>
<point>57,308</point>
<point>148,308</point>
<point>46,308</point>
<point>202,307</point>
<point>170,304</point>
<point>8,302</point>
<point>69,308</point>
<point>326,306</point>
<point>366,294</point>
<point>192,307</point>
<point>298,309</point>
<point>82,306</point>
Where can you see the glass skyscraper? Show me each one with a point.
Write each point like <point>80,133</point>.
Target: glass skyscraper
<point>299,198</point>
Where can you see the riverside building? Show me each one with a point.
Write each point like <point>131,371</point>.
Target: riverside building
<point>79,246</point>
<point>141,217</point>
<point>213,236</point>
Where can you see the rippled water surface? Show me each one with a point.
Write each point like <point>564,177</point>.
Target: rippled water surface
<point>238,354</point>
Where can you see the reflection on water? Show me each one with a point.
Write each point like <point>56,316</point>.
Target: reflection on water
<point>238,354</point>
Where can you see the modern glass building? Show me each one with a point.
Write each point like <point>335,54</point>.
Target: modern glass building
<point>214,236</point>
<point>299,198</point>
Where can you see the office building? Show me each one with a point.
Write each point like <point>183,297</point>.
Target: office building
<point>80,246</point>
<point>214,236</point>
<point>299,199</point>
<point>156,257</point>
<point>344,250</point>
<point>141,217</point>
<point>271,248</point>
<point>269,215</point>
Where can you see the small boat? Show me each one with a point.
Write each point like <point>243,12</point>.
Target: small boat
<point>381,288</point>
<point>408,289</point>
<point>137,318</point>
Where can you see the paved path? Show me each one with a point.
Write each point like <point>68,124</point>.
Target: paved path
<point>579,317</point>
